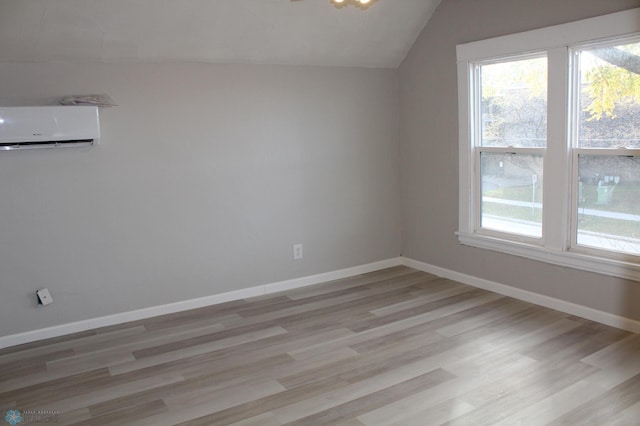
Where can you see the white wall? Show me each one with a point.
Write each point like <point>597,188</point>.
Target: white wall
<point>429,147</point>
<point>206,176</point>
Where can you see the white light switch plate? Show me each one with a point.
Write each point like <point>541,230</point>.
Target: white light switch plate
<point>44,297</point>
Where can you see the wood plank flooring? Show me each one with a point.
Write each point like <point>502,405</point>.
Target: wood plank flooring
<point>394,347</point>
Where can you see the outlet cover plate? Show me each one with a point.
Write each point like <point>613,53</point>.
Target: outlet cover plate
<point>44,297</point>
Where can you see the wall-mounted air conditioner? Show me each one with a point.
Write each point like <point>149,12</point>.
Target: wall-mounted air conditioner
<point>28,127</point>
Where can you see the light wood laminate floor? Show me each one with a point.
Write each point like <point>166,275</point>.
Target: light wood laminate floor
<point>396,346</point>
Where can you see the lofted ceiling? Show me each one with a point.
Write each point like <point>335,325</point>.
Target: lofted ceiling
<point>300,32</point>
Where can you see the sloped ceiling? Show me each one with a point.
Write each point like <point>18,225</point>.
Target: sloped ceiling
<point>301,32</point>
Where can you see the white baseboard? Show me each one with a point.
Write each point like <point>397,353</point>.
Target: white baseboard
<point>538,299</point>
<point>75,327</point>
<point>528,296</point>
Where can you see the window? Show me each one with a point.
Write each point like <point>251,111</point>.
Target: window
<point>512,137</point>
<point>550,144</point>
<point>607,209</point>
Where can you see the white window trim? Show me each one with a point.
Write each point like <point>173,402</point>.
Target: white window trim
<point>556,41</point>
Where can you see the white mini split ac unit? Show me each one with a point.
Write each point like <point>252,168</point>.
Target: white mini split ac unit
<point>48,127</point>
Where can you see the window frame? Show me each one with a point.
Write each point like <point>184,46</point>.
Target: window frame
<point>558,244</point>
<point>479,148</point>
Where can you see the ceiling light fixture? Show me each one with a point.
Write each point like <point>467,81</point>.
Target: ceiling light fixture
<point>362,4</point>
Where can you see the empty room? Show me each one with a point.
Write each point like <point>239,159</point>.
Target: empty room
<point>308,212</point>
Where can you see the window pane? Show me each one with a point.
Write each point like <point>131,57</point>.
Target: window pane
<point>514,103</point>
<point>609,115</point>
<point>512,193</point>
<point>609,203</point>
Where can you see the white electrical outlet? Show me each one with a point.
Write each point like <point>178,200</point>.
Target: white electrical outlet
<point>44,297</point>
<point>297,252</point>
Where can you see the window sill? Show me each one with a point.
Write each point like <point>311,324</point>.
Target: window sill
<point>611,267</point>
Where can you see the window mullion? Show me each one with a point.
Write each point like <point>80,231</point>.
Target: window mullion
<point>557,170</point>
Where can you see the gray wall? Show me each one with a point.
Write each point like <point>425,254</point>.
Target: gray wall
<point>429,151</point>
<point>206,176</point>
